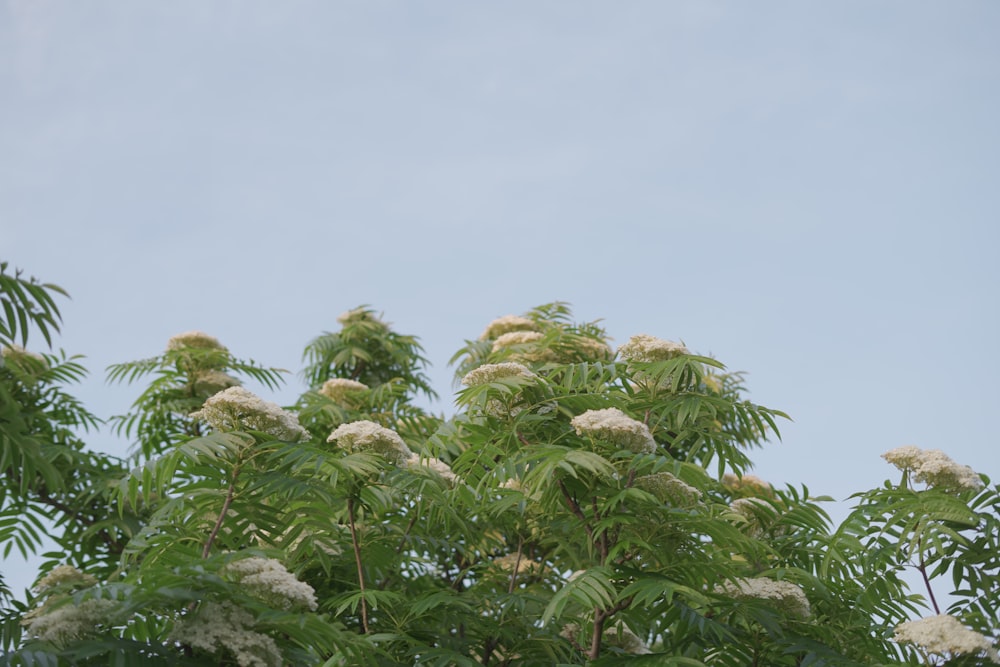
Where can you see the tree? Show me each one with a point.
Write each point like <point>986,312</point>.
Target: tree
<point>583,505</point>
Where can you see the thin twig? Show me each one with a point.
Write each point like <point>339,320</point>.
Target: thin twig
<point>230,492</point>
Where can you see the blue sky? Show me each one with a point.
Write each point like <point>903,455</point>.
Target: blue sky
<point>804,190</point>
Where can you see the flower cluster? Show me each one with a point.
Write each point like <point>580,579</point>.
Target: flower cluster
<point>651,348</point>
<point>225,626</point>
<point>488,373</point>
<point>621,636</point>
<point>367,436</point>
<point>361,314</point>
<point>62,623</point>
<point>614,426</point>
<point>784,595</point>
<point>16,353</point>
<point>944,634</point>
<point>591,348</point>
<point>341,390</point>
<point>236,409</point>
<point>516,338</point>
<point>669,489</point>
<point>747,486</point>
<point>524,565</point>
<point>66,577</point>
<point>934,468</point>
<point>437,465</point>
<point>198,340</point>
<point>211,381</point>
<point>507,324</point>
<point>267,580</point>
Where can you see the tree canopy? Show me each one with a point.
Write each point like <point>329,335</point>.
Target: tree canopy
<point>582,505</point>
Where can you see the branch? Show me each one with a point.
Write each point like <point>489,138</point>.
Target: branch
<point>230,492</point>
<point>574,507</point>
<point>357,561</point>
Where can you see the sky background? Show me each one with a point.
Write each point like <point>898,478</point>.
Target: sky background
<point>806,191</point>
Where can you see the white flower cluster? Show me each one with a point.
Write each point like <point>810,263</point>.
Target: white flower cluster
<point>669,488</point>
<point>943,635</point>
<point>437,465</point>
<point>621,636</point>
<point>614,426</point>
<point>507,324</point>
<point>492,372</point>
<point>340,390</point>
<point>361,314</point>
<point>526,351</point>
<point>194,339</point>
<point>64,623</point>
<point>934,468</point>
<point>524,565</point>
<point>212,381</point>
<point>516,338</point>
<point>591,348</point>
<point>367,436</point>
<point>267,580</point>
<point>16,353</point>
<point>64,576</point>
<point>651,348</point>
<point>225,626</point>
<point>784,595</point>
<point>237,409</point>
<point>756,514</point>
<point>747,485</point>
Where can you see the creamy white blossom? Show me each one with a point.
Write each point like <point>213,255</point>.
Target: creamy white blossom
<point>341,390</point>
<point>516,338</point>
<point>217,626</point>
<point>194,339</point>
<point>15,352</point>
<point>591,348</point>
<point>524,565</point>
<point>212,381</point>
<point>63,576</point>
<point>437,465</point>
<point>757,515</point>
<point>934,468</point>
<point>267,580</point>
<point>621,636</point>
<point>65,622</point>
<point>361,314</point>
<point>784,595</point>
<point>237,409</point>
<point>650,348</point>
<point>748,485</point>
<point>943,635</point>
<point>507,324</point>
<point>614,426</point>
<point>488,373</point>
<point>669,488</point>
<point>367,436</point>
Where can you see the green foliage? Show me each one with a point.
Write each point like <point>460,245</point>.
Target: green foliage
<point>580,507</point>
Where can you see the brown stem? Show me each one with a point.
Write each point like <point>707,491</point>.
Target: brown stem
<point>517,565</point>
<point>574,507</point>
<point>491,644</point>
<point>230,492</point>
<point>597,634</point>
<point>357,561</point>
